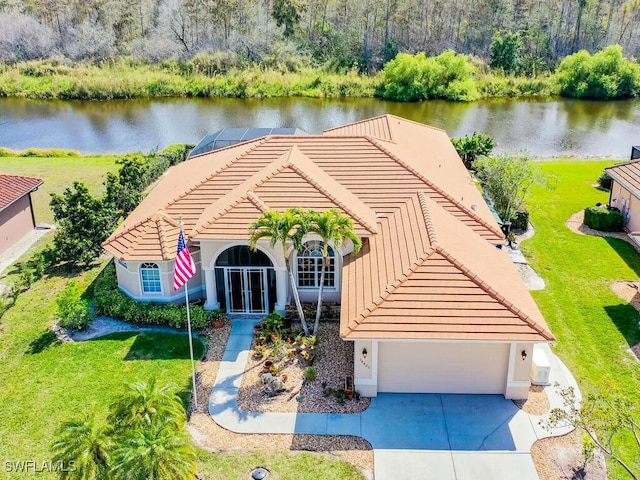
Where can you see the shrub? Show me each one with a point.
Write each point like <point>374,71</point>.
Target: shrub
<point>520,221</point>
<point>218,63</point>
<point>110,301</point>
<point>310,374</point>
<point>604,180</point>
<point>605,75</point>
<point>73,310</point>
<point>603,219</point>
<point>274,322</point>
<point>176,153</point>
<point>471,147</point>
<point>415,77</point>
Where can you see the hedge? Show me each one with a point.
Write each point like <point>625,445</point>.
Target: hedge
<point>603,219</point>
<point>520,220</point>
<point>111,302</point>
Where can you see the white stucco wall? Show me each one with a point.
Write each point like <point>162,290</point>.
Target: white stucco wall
<point>129,281</point>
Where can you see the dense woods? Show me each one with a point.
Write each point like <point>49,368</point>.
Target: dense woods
<point>343,33</point>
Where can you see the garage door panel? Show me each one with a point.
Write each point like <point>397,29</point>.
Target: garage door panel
<point>442,368</point>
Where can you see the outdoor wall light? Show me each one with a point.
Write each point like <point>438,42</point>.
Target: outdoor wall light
<point>524,355</point>
<point>364,352</point>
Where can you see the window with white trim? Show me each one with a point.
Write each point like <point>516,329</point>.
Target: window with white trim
<point>150,275</point>
<point>310,266</point>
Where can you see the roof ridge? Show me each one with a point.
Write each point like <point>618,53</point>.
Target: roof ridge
<point>431,230</point>
<point>218,170</point>
<point>623,164</point>
<point>408,120</point>
<point>439,190</point>
<point>224,204</point>
<point>162,235</point>
<point>321,188</point>
<point>359,122</point>
<point>257,201</point>
<point>493,293</point>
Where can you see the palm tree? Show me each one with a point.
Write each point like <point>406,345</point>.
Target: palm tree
<point>83,445</point>
<point>155,452</point>
<point>335,228</point>
<point>285,227</point>
<point>144,404</point>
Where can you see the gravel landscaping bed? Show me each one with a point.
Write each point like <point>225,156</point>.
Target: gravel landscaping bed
<point>560,458</point>
<point>333,362</point>
<point>537,403</point>
<point>211,436</point>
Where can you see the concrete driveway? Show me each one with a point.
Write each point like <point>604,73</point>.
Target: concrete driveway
<point>428,436</point>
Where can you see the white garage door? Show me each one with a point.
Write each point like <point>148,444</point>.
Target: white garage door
<point>442,368</point>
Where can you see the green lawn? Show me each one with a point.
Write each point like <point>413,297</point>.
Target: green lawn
<point>59,173</point>
<point>282,465</point>
<point>593,326</point>
<point>45,382</point>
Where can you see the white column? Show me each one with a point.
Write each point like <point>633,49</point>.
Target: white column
<point>210,286</point>
<point>282,283</point>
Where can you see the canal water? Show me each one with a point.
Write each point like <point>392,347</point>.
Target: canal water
<point>543,127</point>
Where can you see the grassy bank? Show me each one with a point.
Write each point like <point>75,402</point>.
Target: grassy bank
<point>58,172</point>
<point>121,80</point>
<point>593,326</point>
<point>46,80</point>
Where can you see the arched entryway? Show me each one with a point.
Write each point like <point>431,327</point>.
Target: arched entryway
<point>245,281</point>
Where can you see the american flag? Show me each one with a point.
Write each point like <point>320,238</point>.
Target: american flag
<point>185,268</point>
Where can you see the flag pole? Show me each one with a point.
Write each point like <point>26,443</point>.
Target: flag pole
<point>193,364</point>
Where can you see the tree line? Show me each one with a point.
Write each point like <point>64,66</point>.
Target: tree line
<point>362,34</point>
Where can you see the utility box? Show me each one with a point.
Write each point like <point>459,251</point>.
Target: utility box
<point>540,368</point>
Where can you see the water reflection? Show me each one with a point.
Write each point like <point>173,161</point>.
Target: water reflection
<point>545,127</point>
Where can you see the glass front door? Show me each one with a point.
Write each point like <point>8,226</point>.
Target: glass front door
<point>246,289</point>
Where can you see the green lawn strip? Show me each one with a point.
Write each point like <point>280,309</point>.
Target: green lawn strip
<point>282,466</point>
<point>46,382</point>
<point>59,173</point>
<point>593,326</point>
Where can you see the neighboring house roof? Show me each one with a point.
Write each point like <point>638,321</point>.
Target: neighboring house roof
<point>429,276</point>
<point>627,174</point>
<point>231,136</point>
<point>14,187</point>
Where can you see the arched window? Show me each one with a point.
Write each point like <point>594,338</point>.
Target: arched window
<point>150,275</point>
<point>310,266</point>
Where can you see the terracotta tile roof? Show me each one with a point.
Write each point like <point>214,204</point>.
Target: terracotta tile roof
<point>155,238</point>
<point>306,186</point>
<point>377,127</point>
<point>14,187</point>
<point>429,276</point>
<point>428,267</point>
<point>627,174</point>
<point>428,152</point>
